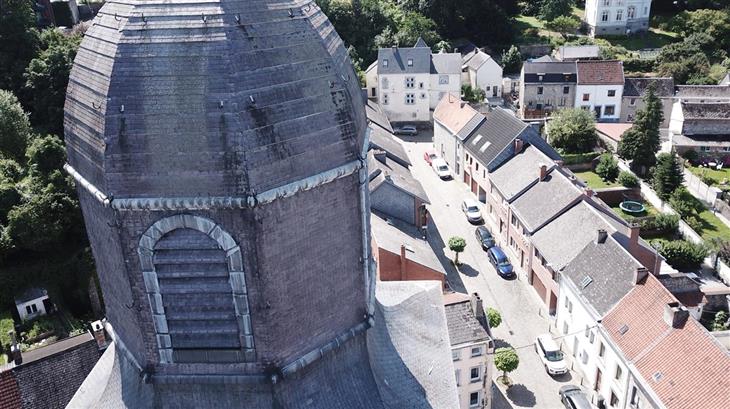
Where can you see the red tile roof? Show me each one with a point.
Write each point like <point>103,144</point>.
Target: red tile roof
<point>453,113</point>
<point>685,367</point>
<point>600,72</point>
<point>9,392</point>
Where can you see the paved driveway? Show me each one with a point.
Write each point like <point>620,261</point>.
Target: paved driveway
<point>524,315</point>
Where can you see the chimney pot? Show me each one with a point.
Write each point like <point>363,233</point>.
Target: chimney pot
<point>602,236</point>
<point>543,172</point>
<point>477,306</point>
<point>98,330</point>
<point>640,274</point>
<point>519,144</point>
<point>634,230</point>
<point>675,315</point>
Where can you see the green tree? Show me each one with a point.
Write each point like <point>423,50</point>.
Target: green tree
<point>46,154</point>
<point>607,167</point>
<point>627,179</point>
<point>552,9</point>
<point>681,254</point>
<point>715,23</point>
<point>572,130</point>
<point>720,323</point>
<point>687,59</point>
<point>56,215</point>
<point>457,245</point>
<point>684,203</point>
<point>506,360</point>
<point>494,317</point>
<point>640,143</point>
<point>15,128</point>
<point>512,60</point>
<point>18,42</point>
<point>47,78</point>
<point>667,175</point>
<point>9,198</point>
<point>565,25</point>
<point>473,95</point>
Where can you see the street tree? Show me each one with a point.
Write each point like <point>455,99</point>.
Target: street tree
<point>494,317</point>
<point>572,130</point>
<point>565,25</point>
<point>667,176</point>
<point>640,143</point>
<point>15,128</point>
<point>457,245</point>
<point>506,360</point>
<point>512,60</point>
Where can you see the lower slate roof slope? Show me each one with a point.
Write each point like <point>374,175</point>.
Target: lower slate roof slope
<point>391,235</point>
<point>395,174</point>
<point>375,115</point>
<point>602,273</point>
<point>464,326</point>
<point>545,199</point>
<point>684,366</point>
<point>522,170</point>
<point>403,361</point>
<point>636,87</point>
<point>498,131</point>
<point>381,139</point>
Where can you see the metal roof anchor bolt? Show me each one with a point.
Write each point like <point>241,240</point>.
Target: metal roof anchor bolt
<point>144,19</point>
<point>291,13</point>
<point>238,19</point>
<point>121,108</point>
<point>220,104</point>
<point>205,18</point>
<point>116,17</point>
<point>252,99</point>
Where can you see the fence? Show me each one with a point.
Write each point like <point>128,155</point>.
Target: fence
<point>700,190</point>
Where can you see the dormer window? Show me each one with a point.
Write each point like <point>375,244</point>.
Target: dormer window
<point>385,62</point>
<point>410,62</point>
<point>539,77</point>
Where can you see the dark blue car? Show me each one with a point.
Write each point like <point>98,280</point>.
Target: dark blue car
<point>500,261</point>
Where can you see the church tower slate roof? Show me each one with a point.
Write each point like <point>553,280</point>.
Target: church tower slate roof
<point>219,149</point>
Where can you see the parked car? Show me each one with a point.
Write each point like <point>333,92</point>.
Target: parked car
<point>500,261</point>
<point>470,208</point>
<point>573,397</point>
<point>485,237</point>
<point>441,168</point>
<point>429,156</point>
<point>551,356</point>
<point>406,130</point>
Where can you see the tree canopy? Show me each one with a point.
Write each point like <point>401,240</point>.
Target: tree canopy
<point>552,9</point>
<point>506,360</point>
<point>15,130</point>
<point>667,175</point>
<point>512,60</point>
<point>565,25</point>
<point>640,143</point>
<point>572,130</point>
<point>457,245</point>
<point>18,42</point>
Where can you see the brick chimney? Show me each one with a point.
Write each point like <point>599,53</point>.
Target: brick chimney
<point>588,192</point>
<point>602,236</point>
<point>519,144</point>
<point>15,354</point>
<point>543,171</point>
<point>634,230</point>
<point>640,274</point>
<point>98,330</point>
<point>403,261</point>
<point>477,306</point>
<point>675,315</point>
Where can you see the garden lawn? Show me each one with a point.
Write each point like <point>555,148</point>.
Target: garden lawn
<point>650,211</point>
<point>712,227</point>
<point>594,181</point>
<point>718,175</point>
<point>655,38</point>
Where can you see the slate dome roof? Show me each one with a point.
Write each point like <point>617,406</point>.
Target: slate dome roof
<point>184,98</point>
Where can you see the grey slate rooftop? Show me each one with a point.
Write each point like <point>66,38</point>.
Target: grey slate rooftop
<point>578,52</point>
<point>602,273</point>
<point>556,67</point>
<point>518,173</point>
<point>384,140</point>
<point>375,115</point>
<point>475,59</point>
<point>391,234</point>
<point>398,58</point>
<point>446,63</point>
<point>703,92</point>
<point>635,87</point>
<point>395,174</point>
<point>497,131</point>
<point>464,326</point>
<point>546,199</point>
<point>31,294</point>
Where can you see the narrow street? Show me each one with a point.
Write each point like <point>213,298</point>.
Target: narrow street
<point>524,316</point>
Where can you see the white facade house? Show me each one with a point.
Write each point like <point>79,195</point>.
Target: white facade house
<point>617,17</point>
<point>479,70</point>
<point>411,81</point>
<point>453,122</point>
<point>30,304</point>
<point>599,88</point>
<point>471,343</point>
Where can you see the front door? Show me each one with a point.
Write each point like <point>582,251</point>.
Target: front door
<point>494,91</point>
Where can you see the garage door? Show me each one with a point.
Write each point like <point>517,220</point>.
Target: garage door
<point>538,286</point>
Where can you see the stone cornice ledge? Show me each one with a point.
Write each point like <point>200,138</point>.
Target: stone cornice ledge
<point>216,202</point>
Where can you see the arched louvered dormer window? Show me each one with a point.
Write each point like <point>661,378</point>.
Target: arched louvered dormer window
<point>193,275</point>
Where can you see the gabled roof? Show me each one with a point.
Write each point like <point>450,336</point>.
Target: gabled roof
<point>600,72</point>
<point>493,135</point>
<point>544,58</point>
<point>549,72</point>
<point>523,169</point>
<point>398,60</point>
<point>392,234</point>
<point>685,367</point>
<point>574,52</point>
<point>394,174</point>
<point>376,115</point>
<point>602,273</point>
<point>685,289</point>
<point>703,92</point>
<point>446,63</point>
<point>709,110</point>
<point>420,43</point>
<point>457,116</point>
<point>31,294</point>
<point>636,87</point>
<point>545,199</point>
<point>464,326</point>
<point>476,59</point>
<point>383,140</point>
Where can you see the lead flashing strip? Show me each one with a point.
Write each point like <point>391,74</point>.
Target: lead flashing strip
<point>215,202</point>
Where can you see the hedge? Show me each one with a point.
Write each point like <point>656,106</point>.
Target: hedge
<point>639,65</point>
<point>681,254</point>
<point>578,158</point>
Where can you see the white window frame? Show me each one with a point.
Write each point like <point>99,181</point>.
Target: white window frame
<point>410,99</point>
<point>630,13</point>
<point>410,62</point>
<point>479,399</point>
<point>385,62</point>
<point>478,351</point>
<point>605,107</point>
<point>410,82</point>
<point>443,79</point>
<point>385,99</point>
<point>604,17</point>
<point>619,15</point>
<point>606,3</point>
<point>455,354</point>
<point>479,372</point>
